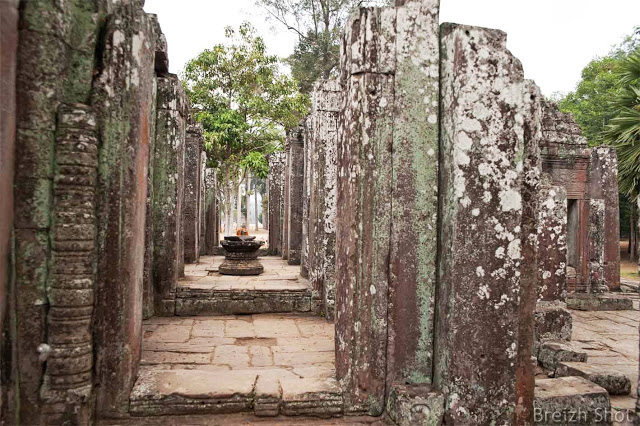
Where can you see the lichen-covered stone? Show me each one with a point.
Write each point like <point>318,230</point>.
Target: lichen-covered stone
<point>552,321</point>
<point>122,98</point>
<point>414,189</point>
<point>599,302</point>
<point>571,400</point>
<point>613,381</point>
<point>194,144</point>
<point>482,140</point>
<point>168,190</point>
<point>552,237</point>
<point>550,354</point>
<point>295,156</point>
<point>276,201</point>
<point>410,405</point>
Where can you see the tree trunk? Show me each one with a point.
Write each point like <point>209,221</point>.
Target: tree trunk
<point>239,206</point>
<point>228,203</point>
<point>255,197</point>
<point>248,191</point>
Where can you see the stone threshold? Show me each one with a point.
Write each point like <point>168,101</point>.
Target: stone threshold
<point>235,301</point>
<point>160,392</point>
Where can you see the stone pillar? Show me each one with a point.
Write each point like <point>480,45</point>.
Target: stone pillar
<point>285,204</point>
<point>596,247</point>
<point>323,139</point>
<point>482,139</point>
<point>123,101</point>
<point>8,62</point>
<point>295,199</point>
<point>414,215</point>
<point>552,320</point>
<point>364,210</point>
<point>552,237</point>
<point>212,237</point>
<point>168,164</point>
<point>202,208</point>
<point>191,204</point>
<point>68,382</point>
<point>306,202</point>
<point>276,202</point>
<point>603,184</point>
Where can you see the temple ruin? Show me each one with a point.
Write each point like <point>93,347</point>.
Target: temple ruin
<point>431,223</point>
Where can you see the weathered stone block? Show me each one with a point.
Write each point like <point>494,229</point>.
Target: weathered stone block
<point>550,354</point>
<point>553,322</point>
<point>194,144</point>
<point>571,400</point>
<point>295,199</point>
<point>599,302</point>
<point>613,381</point>
<point>415,405</point>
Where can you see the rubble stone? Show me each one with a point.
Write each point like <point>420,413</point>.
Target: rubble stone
<point>551,354</point>
<point>571,400</point>
<point>614,382</point>
<point>415,405</point>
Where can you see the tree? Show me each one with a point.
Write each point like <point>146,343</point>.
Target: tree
<point>591,101</point>
<point>318,24</point>
<point>623,130</point>
<point>245,104</point>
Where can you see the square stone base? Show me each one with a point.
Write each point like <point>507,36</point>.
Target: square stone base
<point>552,322</point>
<point>415,405</point>
<point>599,302</point>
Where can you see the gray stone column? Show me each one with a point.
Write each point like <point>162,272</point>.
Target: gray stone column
<point>323,138</point>
<point>191,205</point>
<point>364,209</point>
<point>276,202</point>
<point>482,139</point>
<point>168,178</point>
<point>596,247</point>
<point>295,199</point>
<point>285,202</point>
<point>603,185</point>
<point>202,197</point>
<point>306,201</point>
<point>212,237</point>
<point>122,99</point>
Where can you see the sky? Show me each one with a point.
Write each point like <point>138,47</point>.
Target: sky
<point>554,39</point>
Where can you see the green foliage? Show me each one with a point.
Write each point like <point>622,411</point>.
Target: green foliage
<point>623,130</point>
<point>591,102</point>
<point>318,24</point>
<point>242,100</point>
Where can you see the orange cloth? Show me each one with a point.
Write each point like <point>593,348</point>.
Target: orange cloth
<point>242,232</point>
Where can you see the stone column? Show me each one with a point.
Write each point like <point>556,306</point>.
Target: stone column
<point>481,199</point>
<point>414,216</point>
<point>168,164</point>
<point>553,321</point>
<point>285,202</point>
<point>202,208</point>
<point>323,139</point>
<point>596,247</point>
<point>8,62</point>
<point>603,184</point>
<point>364,209</point>
<point>123,101</point>
<point>276,201</point>
<point>212,238</point>
<point>68,381</point>
<point>306,202</point>
<point>295,199</point>
<point>191,204</point>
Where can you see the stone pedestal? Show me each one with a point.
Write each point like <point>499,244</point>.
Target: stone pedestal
<point>241,256</point>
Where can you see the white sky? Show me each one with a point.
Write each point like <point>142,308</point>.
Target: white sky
<point>554,39</point>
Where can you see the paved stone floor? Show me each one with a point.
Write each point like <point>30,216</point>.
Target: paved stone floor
<point>610,339</point>
<point>277,275</point>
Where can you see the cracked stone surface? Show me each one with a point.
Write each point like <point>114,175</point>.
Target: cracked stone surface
<point>226,364</point>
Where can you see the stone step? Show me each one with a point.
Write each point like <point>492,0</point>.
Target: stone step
<point>571,400</point>
<point>161,392</point>
<point>232,299</point>
<point>613,381</point>
<point>599,302</point>
<point>551,353</point>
